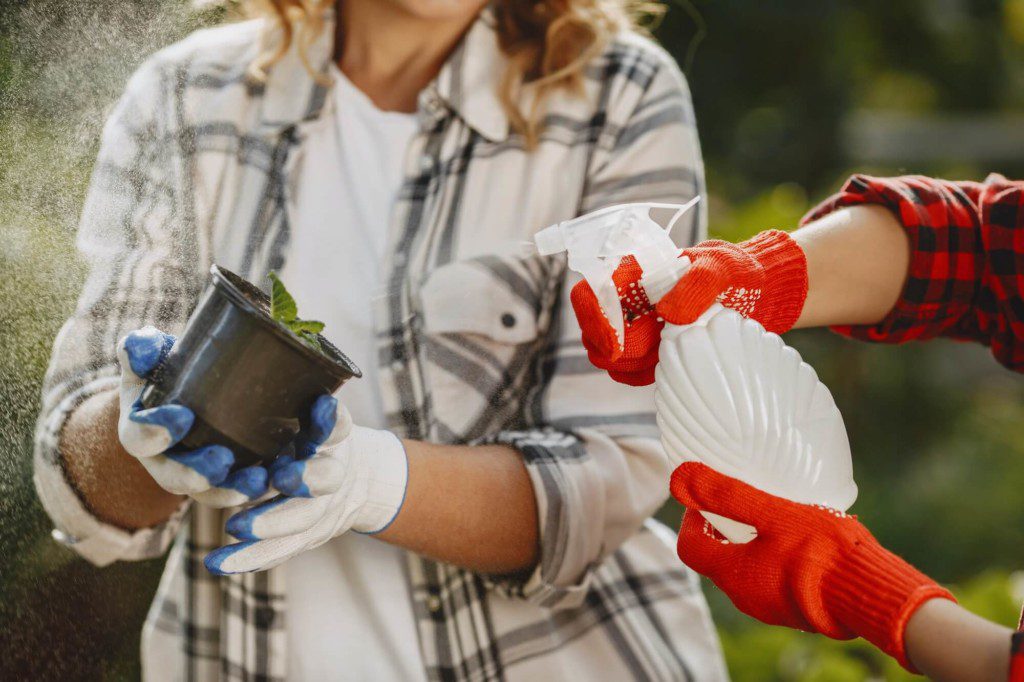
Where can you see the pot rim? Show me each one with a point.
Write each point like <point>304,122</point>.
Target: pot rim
<point>236,289</point>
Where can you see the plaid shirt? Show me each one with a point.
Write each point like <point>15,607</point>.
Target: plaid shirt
<point>966,276</point>
<point>195,167</point>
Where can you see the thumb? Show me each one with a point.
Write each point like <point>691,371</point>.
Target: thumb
<point>141,351</point>
<point>694,293</point>
<point>598,334</point>
<point>699,487</point>
<point>700,547</point>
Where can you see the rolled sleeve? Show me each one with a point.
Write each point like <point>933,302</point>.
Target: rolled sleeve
<point>547,454</point>
<point>144,269</point>
<point>76,526</point>
<point>593,491</point>
<point>947,260</point>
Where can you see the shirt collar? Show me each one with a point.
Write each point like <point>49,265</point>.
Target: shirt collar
<point>466,84</point>
<point>468,80</point>
<point>291,94</point>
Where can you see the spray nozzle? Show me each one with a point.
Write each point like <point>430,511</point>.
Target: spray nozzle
<point>597,242</point>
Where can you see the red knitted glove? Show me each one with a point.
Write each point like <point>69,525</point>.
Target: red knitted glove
<point>809,568</point>
<point>763,278</point>
<point>633,362</point>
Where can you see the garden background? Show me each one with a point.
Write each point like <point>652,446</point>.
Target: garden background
<point>791,97</point>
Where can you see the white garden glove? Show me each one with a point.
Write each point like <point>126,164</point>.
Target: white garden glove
<point>151,435</point>
<point>342,478</point>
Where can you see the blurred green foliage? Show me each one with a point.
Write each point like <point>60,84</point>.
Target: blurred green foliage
<point>757,653</point>
<point>937,430</point>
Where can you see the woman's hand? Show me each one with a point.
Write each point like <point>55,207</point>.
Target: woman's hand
<point>632,361</point>
<point>151,435</point>
<point>342,478</point>
<point>764,278</point>
<point>809,568</point>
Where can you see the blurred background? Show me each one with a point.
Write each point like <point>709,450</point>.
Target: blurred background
<point>791,97</point>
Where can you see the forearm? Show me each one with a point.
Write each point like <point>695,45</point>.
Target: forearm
<point>857,261</point>
<point>473,506</point>
<point>947,642</point>
<point>114,485</point>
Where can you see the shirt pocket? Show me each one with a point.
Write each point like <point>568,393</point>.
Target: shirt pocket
<point>485,323</point>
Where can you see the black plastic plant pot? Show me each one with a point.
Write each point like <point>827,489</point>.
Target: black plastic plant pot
<point>250,382</point>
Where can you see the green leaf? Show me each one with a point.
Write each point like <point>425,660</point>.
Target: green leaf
<point>311,340</point>
<point>284,311</point>
<point>310,326</point>
<point>282,305</point>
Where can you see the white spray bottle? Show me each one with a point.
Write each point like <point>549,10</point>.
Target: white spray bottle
<point>728,393</point>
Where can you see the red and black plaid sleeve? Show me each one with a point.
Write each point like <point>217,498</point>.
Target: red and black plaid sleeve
<point>966,277</point>
<point>1016,673</point>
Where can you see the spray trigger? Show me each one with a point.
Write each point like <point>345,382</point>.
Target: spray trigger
<point>597,242</point>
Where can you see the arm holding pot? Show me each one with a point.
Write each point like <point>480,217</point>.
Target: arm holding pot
<point>143,269</point>
<point>436,500</point>
<point>102,501</point>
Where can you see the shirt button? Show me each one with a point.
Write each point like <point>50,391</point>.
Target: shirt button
<point>426,163</point>
<point>397,366</point>
<point>432,101</point>
<point>433,603</point>
<point>508,320</point>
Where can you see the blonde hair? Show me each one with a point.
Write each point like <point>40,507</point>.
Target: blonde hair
<point>548,43</point>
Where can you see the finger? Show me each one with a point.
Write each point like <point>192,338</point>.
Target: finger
<point>639,370</point>
<point>634,371</point>
<point>336,422</point>
<point>643,337</point>
<point>142,351</point>
<point>254,555</point>
<point>598,333</point>
<point>188,473</point>
<point>279,517</point>
<point>148,432</point>
<point>642,377</point>
<point>240,487</point>
<point>701,547</point>
<point>693,294</point>
<point>700,487</point>
<point>329,424</point>
<point>311,477</point>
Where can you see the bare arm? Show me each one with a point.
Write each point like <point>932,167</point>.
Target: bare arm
<point>857,260</point>
<point>947,642</point>
<point>472,506</point>
<point>116,487</point>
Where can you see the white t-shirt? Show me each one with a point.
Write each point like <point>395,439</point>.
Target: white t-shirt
<point>349,615</point>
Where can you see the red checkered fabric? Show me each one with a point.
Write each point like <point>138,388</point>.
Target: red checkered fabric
<point>1016,673</point>
<point>966,273</point>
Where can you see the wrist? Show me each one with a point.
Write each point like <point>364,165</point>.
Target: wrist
<point>384,473</point>
<point>785,278</point>
<point>873,593</point>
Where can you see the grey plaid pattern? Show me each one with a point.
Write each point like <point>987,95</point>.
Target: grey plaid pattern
<point>476,343</point>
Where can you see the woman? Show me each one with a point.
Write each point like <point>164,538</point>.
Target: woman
<point>886,260</point>
<point>390,163</point>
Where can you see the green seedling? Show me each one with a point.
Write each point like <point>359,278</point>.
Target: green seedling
<point>284,311</point>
